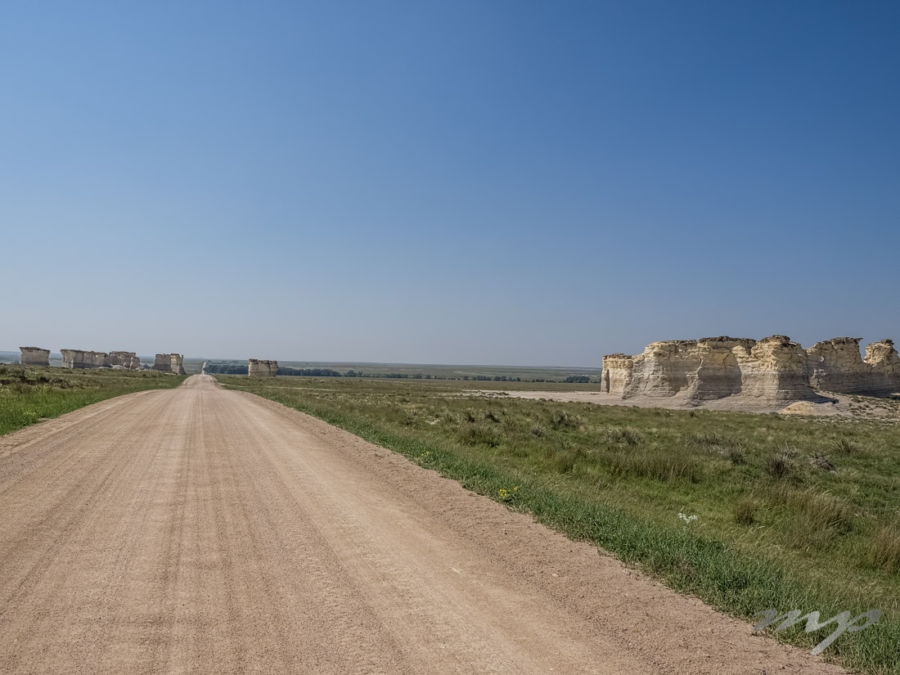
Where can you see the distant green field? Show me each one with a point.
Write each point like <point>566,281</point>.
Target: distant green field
<point>791,513</point>
<point>433,371</point>
<point>29,394</point>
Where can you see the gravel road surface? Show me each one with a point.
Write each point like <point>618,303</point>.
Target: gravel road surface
<point>199,529</point>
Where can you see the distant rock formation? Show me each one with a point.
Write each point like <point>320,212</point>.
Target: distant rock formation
<point>77,358</point>
<point>127,360</point>
<point>170,363</point>
<point>773,369</point>
<point>664,369</point>
<point>884,362</point>
<point>719,370</point>
<point>35,356</point>
<point>835,365</point>
<point>262,368</point>
<point>617,371</point>
<point>776,370</point>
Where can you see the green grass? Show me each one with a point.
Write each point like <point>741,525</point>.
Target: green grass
<point>30,394</point>
<point>793,513</point>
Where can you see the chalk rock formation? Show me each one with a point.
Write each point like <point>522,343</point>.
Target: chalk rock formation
<point>35,356</point>
<point>617,369</point>
<point>775,369</point>
<point>127,360</point>
<point>77,358</point>
<point>169,363</point>
<point>178,364</point>
<point>262,368</point>
<point>884,364</point>
<point>719,373</point>
<point>836,365</point>
<point>664,369</point>
<point>694,369</point>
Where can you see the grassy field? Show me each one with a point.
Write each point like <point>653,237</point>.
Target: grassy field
<point>791,513</point>
<point>29,394</point>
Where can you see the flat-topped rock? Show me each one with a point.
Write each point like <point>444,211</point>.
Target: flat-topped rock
<point>169,363</point>
<point>836,365</point>
<point>35,356</point>
<point>127,360</point>
<point>262,368</point>
<point>775,369</point>
<point>882,359</point>
<point>79,358</point>
<point>617,369</point>
<point>665,368</point>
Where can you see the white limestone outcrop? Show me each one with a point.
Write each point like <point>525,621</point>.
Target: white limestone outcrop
<point>773,369</point>
<point>35,356</point>
<point>169,363</point>
<point>78,358</point>
<point>127,360</point>
<point>262,368</point>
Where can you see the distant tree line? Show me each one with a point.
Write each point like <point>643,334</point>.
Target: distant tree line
<point>309,372</point>
<point>237,369</point>
<point>225,369</point>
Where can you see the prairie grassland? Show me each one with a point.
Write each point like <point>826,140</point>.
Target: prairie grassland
<point>29,394</point>
<point>792,513</point>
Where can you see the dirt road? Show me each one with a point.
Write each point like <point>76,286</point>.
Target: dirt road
<point>207,530</point>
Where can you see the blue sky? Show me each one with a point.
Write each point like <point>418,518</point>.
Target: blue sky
<point>455,182</point>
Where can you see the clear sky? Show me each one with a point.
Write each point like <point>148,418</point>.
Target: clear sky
<point>446,182</point>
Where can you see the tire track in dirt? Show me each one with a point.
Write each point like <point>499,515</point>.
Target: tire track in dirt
<point>209,530</point>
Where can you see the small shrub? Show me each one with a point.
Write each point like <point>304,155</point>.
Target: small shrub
<point>662,466</point>
<point>817,517</point>
<point>477,434</point>
<point>778,465</point>
<point>560,419</point>
<point>625,435</point>
<point>706,438</point>
<point>564,462</point>
<point>745,511</point>
<point>822,462</point>
<point>845,447</point>
<point>736,455</point>
<point>885,549</point>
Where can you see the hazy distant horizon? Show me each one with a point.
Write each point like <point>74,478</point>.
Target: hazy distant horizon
<point>55,355</point>
<point>457,183</point>
<point>148,356</point>
<point>188,357</point>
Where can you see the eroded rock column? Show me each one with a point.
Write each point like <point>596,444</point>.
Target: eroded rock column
<point>884,365</point>
<point>262,368</point>
<point>35,356</point>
